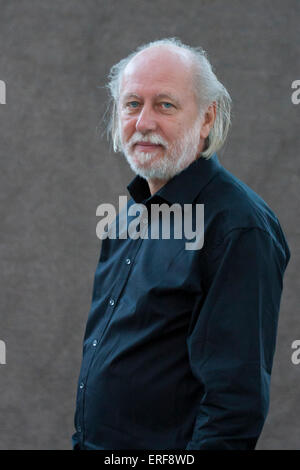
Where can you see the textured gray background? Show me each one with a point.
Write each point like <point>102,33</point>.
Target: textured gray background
<point>56,169</point>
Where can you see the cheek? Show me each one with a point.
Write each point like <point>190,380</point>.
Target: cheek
<point>168,130</point>
<point>127,127</point>
<point>175,132</point>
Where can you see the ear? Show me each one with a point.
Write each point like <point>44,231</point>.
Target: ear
<point>208,120</point>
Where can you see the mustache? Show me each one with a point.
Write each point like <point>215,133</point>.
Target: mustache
<point>150,138</point>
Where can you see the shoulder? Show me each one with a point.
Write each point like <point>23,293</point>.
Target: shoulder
<point>231,205</point>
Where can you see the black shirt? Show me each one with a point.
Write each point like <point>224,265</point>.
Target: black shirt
<point>179,343</point>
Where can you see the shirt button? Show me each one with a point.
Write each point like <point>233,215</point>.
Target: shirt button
<point>81,385</point>
<point>95,342</point>
<point>111,302</point>
<point>127,261</point>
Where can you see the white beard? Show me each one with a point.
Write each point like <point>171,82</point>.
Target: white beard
<point>176,156</point>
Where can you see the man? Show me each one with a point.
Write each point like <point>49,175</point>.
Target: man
<point>179,343</point>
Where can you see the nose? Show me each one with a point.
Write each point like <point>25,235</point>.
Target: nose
<point>146,121</point>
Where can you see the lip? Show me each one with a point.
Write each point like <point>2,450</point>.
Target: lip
<point>147,146</point>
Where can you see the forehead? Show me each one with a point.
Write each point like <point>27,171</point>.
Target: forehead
<point>158,70</point>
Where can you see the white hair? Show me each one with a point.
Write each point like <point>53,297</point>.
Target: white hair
<point>208,90</point>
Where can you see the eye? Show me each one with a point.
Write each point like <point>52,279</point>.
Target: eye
<point>132,104</point>
<point>167,105</point>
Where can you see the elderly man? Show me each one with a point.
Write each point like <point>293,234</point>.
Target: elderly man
<point>179,343</point>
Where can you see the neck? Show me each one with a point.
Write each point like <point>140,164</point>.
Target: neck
<point>155,184</point>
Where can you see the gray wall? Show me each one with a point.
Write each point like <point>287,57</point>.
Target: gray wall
<point>56,169</point>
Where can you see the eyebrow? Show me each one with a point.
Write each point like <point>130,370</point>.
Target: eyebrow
<point>130,95</point>
<point>168,96</point>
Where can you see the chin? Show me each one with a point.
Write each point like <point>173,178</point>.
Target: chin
<point>149,167</point>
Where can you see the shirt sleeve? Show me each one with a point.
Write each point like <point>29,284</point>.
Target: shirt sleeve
<point>232,336</point>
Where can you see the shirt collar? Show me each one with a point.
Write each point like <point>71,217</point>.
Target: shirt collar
<point>183,188</point>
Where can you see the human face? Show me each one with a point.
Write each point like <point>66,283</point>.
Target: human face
<point>159,118</point>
